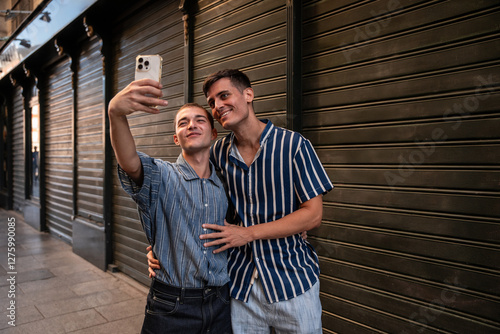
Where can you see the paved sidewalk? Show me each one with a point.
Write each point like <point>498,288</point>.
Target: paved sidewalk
<point>57,291</point>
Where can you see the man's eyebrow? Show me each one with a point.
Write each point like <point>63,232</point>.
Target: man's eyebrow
<point>201,116</point>
<point>197,116</point>
<point>218,94</point>
<point>222,92</point>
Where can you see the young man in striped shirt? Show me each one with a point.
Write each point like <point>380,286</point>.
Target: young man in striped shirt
<point>190,294</point>
<point>276,182</point>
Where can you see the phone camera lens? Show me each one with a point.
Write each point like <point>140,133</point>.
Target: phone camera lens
<point>139,66</point>
<point>141,60</point>
<point>146,63</point>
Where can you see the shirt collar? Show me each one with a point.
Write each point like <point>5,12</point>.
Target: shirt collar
<point>189,174</point>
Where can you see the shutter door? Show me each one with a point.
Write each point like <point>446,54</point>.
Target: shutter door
<point>57,111</point>
<point>401,101</point>
<point>154,29</point>
<point>18,149</point>
<point>250,36</point>
<point>89,133</point>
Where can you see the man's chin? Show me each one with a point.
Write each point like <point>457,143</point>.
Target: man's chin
<point>226,124</point>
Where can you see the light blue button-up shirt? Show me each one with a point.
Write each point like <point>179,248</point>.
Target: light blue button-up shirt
<point>173,203</point>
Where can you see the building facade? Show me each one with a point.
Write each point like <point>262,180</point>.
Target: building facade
<point>399,98</point>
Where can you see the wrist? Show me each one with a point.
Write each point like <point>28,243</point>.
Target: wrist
<point>252,233</point>
<point>113,112</point>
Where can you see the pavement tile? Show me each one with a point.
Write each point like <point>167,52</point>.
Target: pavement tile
<point>27,263</point>
<point>122,310</point>
<point>62,324</point>
<point>69,269</point>
<point>56,261</point>
<point>77,320</point>
<point>63,306</point>
<point>108,297</point>
<point>44,284</point>
<point>44,296</point>
<point>29,328</point>
<point>79,303</point>
<point>130,325</point>
<point>86,288</point>
<point>33,275</point>
<point>23,315</point>
<point>83,276</point>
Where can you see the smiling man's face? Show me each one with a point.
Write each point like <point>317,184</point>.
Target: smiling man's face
<point>193,130</point>
<point>229,105</point>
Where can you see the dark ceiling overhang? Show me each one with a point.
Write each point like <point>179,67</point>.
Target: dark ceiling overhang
<point>48,20</point>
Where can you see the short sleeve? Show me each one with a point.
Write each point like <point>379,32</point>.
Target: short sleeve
<point>310,177</point>
<point>146,195</point>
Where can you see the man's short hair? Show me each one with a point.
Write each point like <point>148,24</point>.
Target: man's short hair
<point>196,105</point>
<point>237,78</point>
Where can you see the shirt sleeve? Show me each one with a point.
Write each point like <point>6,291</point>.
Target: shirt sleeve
<point>146,195</point>
<point>310,177</point>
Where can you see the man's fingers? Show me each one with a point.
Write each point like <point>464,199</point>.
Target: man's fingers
<point>215,235</point>
<point>144,97</point>
<point>147,104</point>
<point>213,243</point>
<point>152,261</point>
<point>221,249</point>
<point>153,265</point>
<point>213,227</point>
<point>151,272</point>
<point>147,82</point>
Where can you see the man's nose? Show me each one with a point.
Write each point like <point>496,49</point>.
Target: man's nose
<point>191,124</point>
<point>218,104</point>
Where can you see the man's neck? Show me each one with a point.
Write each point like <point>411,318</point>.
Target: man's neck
<point>248,134</point>
<point>247,139</point>
<point>199,161</point>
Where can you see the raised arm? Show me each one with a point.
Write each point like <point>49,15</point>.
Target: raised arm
<point>131,99</point>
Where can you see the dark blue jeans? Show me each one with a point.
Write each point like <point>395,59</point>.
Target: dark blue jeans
<point>177,310</point>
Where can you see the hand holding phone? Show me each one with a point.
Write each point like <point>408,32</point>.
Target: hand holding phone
<point>148,67</point>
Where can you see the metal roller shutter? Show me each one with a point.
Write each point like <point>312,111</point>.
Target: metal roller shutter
<point>18,149</point>
<point>250,36</point>
<point>401,101</point>
<point>58,113</point>
<point>155,29</point>
<point>89,133</point>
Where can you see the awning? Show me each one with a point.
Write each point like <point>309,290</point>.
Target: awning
<point>43,26</point>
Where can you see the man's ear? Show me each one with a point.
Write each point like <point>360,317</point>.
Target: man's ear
<point>214,134</point>
<point>249,94</point>
<point>176,141</point>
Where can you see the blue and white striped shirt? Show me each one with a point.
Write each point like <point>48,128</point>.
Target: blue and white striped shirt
<point>173,203</point>
<point>285,172</point>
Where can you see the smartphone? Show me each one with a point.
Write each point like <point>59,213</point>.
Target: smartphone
<point>148,66</point>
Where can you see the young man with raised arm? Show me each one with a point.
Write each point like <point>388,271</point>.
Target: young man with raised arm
<point>190,293</point>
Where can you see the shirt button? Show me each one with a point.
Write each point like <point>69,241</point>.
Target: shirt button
<point>206,204</point>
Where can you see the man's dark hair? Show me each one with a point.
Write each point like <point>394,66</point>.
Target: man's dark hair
<point>196,105</point>
<point>238,79</point>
